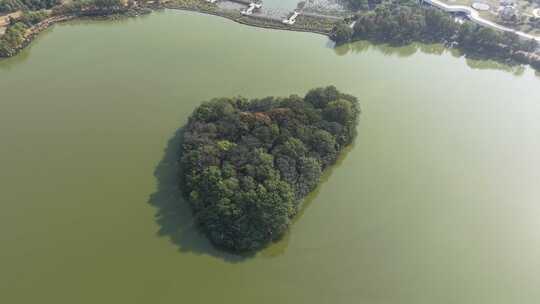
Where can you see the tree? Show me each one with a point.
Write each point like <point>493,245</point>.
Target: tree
<point>400,22</point>
<point>341,33</point>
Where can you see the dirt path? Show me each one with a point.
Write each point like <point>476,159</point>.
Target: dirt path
<point>5,18</point>
<point>4,21</point>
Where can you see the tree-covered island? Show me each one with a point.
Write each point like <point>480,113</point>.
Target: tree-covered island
<point>247,164</point>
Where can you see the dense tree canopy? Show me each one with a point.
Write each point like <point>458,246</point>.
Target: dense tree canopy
<point>7,6</point>
<point>400,22</point>
<point>246,165</point>
<point>14,37</point>
<point>360,4</point>
<point>341,33</point>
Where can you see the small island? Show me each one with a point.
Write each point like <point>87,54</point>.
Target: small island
<point>246,165</point>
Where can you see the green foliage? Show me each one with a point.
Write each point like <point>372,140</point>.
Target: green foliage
<point>247,164</point>
<point>14,37</point>
<point>92,7</point>
<point>341,33</point>
<point>403,22</point>
<point>32,18</point>
<point>225,145</point>
<point>7,6</point>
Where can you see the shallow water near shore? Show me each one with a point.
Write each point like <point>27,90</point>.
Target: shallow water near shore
<point>281,4</point>
<point>436,202</point>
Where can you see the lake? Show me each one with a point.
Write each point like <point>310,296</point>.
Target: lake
<point>436,202</point>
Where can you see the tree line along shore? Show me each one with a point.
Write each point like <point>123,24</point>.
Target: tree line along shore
<point>32,19</point>
<point>396,22</point>
<point>404,22</point>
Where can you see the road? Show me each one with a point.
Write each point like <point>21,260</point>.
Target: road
<point>475,17</point>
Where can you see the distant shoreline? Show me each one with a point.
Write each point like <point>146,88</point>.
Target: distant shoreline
<point>316,24</point>
<point>321,28</point>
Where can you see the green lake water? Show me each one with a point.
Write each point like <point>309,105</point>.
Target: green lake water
<point>438,201</point>
<point>281,5</point>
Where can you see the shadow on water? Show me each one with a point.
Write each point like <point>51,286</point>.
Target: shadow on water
<point>387,50</point>
<point>9,63</point>
<point>432,49</point>
<point>279,247</point>
<point>176,222</point>
<point>173,214</point>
